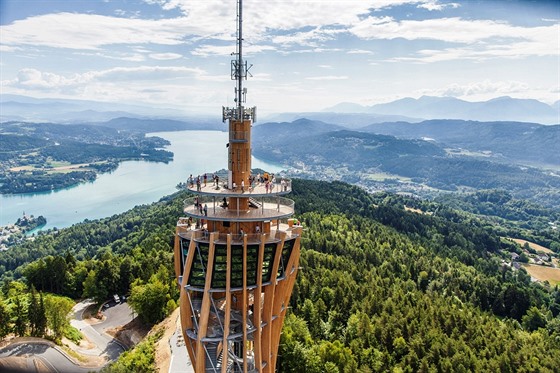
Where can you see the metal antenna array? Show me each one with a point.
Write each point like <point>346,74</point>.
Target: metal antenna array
<point>239,71</point>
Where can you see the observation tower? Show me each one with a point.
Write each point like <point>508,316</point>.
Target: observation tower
<point>236,251</point>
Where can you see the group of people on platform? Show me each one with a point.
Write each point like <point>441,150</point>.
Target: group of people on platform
<point>202,209</point>
<point>268,179</point>
<point>199,180</point>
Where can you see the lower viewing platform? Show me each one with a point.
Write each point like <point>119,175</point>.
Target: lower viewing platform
<point>189,230</point>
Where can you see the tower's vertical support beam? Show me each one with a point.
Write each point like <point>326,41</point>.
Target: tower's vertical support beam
<point>244,304</point>
<point>282,294</point>
<point>184,302</point>
<point>205,308</point>
<point>225,347</point>
<point>257,307</point>
<point>269,292</point>
<point>177,254</point>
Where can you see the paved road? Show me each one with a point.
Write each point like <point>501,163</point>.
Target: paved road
<point>116,315</point>
<point>50,356</point>
<point>180,361</point>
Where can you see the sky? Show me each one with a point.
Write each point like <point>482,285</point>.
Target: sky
<point>307,55</point>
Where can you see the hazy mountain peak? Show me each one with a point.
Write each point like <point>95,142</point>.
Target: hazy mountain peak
<point>503,108</point>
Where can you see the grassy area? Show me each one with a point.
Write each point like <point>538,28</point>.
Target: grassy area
<point>73,334</point>
<point>533,245</point>
<point>381,176</point>
<point>74,354</point>
<point>56,164</point>
<point>418,211</point>
<point>542,273</point>
<point>55,167</point>
<point>468,152</point>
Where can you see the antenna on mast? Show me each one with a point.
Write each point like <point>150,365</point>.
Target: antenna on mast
<point>239,72</point>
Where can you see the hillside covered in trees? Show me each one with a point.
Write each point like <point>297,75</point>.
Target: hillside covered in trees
<point>381,288</point>
<point>422,158</point>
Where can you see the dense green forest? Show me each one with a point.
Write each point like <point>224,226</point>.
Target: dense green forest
<point>380,288</point>
<point>510,216</point>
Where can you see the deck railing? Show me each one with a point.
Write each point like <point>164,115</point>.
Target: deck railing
<point>280,185</point>
<point>202,235</point>
<point>259,208</point>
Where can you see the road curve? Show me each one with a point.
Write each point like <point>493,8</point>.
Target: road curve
<point>56,359</point>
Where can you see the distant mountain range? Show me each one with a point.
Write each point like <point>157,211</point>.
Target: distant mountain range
<point>355,116</point>
<point>428,107</point>
<point>160,125</point>
<point>352,120</point>
<point>29,109</point>
<point>349,115</point>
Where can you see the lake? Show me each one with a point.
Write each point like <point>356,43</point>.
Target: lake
<point>132,183</point>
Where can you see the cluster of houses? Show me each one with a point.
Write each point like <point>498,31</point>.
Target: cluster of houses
<point>539,258</point>
<point>11,234</point>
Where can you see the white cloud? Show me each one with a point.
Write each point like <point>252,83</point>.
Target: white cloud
<point>328,77</point>
<point>37,80</point>
<point>226,50</point>
<point>484,87</point>
<point>359,51</point>
<point>288,23</point>
<point>483,39</point>
<point>131,57</point>
<point>432,5</point>
<point>145,73</point>
<point>165,56</point>
<point>6,48</point>
<point>92,31</point>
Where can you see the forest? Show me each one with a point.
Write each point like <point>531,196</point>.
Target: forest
<point>381,288</point>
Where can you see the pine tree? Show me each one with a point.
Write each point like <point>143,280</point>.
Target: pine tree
<point>20,317</point>
<point>4,318</point>
<point>41,324</point>
<point>32,311</point>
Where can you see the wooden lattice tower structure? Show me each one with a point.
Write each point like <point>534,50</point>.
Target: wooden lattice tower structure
<point>236,252</point>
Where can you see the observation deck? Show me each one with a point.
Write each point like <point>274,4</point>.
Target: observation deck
<point>280,186</point>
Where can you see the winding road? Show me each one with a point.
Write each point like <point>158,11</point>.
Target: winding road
<point>37,352</point>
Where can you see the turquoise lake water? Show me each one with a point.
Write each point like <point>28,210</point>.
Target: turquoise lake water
<point>132,183</point>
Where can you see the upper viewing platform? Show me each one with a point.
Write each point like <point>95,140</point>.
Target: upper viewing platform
<point>219,185</point>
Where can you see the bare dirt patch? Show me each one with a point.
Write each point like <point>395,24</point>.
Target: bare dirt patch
<point>163,351</point>
<point>533,245</point>
<point>542,273</point>
<point>130,334</point>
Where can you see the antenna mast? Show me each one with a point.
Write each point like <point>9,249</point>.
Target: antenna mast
<point>239,72</point>
<point>240,69</point>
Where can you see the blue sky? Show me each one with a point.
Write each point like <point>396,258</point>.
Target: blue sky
<point>307,55</point>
